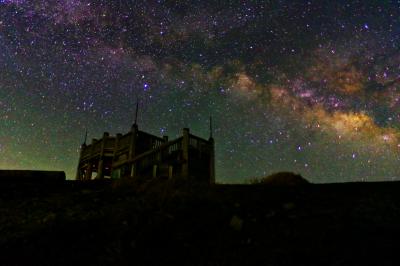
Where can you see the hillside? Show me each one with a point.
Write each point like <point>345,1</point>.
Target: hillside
<point>172,223</point>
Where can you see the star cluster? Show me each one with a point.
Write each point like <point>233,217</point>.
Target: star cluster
<point>306,86</point>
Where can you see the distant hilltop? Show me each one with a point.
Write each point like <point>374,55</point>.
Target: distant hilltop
<point>281,179</point>
<point>28,176</point>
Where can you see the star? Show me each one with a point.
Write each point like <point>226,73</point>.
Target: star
<point>300,87</point>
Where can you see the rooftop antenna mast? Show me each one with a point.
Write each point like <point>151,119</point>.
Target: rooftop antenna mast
<point>211,128</point>
<point>84,141</point>
<point>137,110</point>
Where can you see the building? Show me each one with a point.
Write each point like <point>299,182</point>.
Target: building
<point>140,154</point>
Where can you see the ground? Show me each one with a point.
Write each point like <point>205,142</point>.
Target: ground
<point>173,223</point>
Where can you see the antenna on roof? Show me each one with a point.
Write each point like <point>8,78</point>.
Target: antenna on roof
<point>137,110</point>
<point>211,127</point>
<point>84,141</point>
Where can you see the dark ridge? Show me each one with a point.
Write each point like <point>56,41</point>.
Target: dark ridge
<point>30,176</point>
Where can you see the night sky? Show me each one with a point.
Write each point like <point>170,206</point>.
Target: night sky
<point>306,86</point>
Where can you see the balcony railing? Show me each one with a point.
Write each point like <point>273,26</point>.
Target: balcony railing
<point>199,144</point>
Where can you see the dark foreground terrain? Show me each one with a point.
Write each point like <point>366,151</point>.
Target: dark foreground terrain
<point>172,223</point>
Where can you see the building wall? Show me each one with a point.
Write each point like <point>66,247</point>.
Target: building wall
<point>141,154</point>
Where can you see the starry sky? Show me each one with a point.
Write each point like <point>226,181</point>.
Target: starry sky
<point>311,87</point>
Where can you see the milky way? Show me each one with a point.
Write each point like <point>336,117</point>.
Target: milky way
<point>306,86</point>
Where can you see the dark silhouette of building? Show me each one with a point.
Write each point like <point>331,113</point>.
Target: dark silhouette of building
<point>140,154</point>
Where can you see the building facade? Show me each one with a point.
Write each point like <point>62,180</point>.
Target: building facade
<point>140,154</point>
